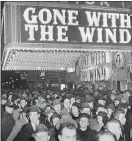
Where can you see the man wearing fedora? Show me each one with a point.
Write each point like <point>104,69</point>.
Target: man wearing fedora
<point>41,134</point>
<point>28,129</point>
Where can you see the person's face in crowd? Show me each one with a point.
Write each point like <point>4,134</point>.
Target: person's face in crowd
<point>43,105</point>
<point>34,116</point>
<point>22,115</point>
<point>23,103</point>
<point>75,110</point>
<point>78,100</point>
<point>42,136</point>
<point>109,112</point>
<point>112,97</point>
<point>99,119</point>
<point>116,102</point>
<point>91,104</point>
<point>10,98</point>
<point>102,102</point>
<point>115,129</point>
<point>84,122</point>
<point>48,96</point>
<point>72,100</point>
<point>55,120</point>
<point>49,116</point>
<point>122,119</point>
<point>86,110</point>
<point>57,108</point>
<point>47,108</point>
<point>68,135</point>
<point>106,138</point>
<point>126,95</point>
<point>3,101</point>
<point>67,103</point>
<point>24,95</point>
<point>9,109</point>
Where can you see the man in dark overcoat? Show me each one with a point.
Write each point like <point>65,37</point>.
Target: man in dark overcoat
<point>7,121</point>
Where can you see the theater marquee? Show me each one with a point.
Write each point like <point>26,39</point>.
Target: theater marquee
<point>44,24</point>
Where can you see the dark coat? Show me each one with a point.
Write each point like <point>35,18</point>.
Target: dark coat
<point>87,135</point>
<point>7,124</point>
<point>26,132</point>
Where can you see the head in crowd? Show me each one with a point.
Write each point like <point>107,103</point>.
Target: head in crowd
<point>90,101</point>
<point>120,116</point>
<point>102,118</point>
<point>117,101</point>
<point>54,119</point>
<point>67,103</point>
<point>41,133</point>
<point>77,99</point>
<point>34,114</point>
<point>49,113</point>
<point>75,109</point>
<point>114,126</point>
<point>10,98</point>
<point>112,96</point>
<point>67,132</point>
<point>3,100</point>
<point>9,107</point>
<point>24,113</point>
<point>124,107</point>
<point>72,99</point>
<point>83,121</point>
<point>85,108</point>
<point>22,103</point>
<point>102,101</point>
<point>47,108</point>
<point>57,106</point>
<point>110,110</point>
<point>105,136</point>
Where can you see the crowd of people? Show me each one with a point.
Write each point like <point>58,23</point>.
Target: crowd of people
<point>69,115</point>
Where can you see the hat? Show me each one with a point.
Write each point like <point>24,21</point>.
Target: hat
<point>49,112</point>
<point>34,108</point>
<point>66,119</point>
<point>40,128</point>
<point>85,105</point>
<point>102,98</point>
<point>76,105</point>
<point>111,106</point>
<point>84,115</point>
<point>56,102</point>
<point>102,114</point>
<point>9,104</point>
<point>77,97</point>
<point>123,105</point>
<point>22,98</point>
<point>90,99</point>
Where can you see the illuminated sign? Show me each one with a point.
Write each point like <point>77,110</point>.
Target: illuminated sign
<point>94,67</point>
<point>43,24</point>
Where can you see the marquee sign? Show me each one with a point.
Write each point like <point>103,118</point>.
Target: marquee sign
<point>41,24</point>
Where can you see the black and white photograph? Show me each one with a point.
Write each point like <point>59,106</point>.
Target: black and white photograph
<point>66,70</point>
